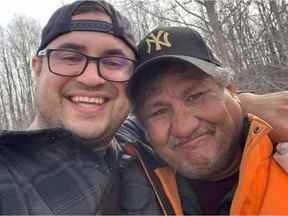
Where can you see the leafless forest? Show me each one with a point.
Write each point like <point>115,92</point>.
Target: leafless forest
<point>250,36</point>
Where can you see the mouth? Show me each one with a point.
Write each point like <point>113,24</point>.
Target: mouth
<point>192,143</point>
<point>85,100</point>
<point>88,104</point>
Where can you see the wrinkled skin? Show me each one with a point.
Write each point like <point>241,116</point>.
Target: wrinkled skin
<point>193,124</point>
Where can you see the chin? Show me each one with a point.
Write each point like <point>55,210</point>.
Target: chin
<point>201,169</point>
<point>85,132</point>
<point>196,173</point>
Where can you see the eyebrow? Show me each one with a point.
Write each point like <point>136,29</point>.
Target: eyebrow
<point>117,52</point>
<point>152,100</point>
<point>193,89</point>
<point>153,105</point>
<point>72,46</point>
<point>157,104</point>
<point>153,96</point>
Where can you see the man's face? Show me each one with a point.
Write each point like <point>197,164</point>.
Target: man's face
<point>88,105</point>
<point>192,123</point>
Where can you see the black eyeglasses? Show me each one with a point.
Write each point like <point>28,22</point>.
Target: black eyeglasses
<point>69,63</point>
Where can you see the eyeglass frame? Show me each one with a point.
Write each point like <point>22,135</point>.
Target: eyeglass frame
<point>47,51</point>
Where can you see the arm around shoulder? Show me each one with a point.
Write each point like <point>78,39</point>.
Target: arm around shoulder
<point>272,107</point>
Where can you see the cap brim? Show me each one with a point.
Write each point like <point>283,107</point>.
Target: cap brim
<point>220,74</point>
<point>205,66</point>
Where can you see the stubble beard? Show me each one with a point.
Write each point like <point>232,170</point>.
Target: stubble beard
<point>202,171</point>
<point>213,169</point>
<point>45,119</point>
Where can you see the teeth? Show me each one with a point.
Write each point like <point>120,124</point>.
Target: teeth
<point>91,100</point>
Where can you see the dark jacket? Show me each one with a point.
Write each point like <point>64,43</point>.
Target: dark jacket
<point>137,195</point>
<point>52,172</point>
<point>144,193</point>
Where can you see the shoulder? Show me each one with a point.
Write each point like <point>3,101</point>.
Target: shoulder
<point>131,130</point>
<point>137,195</point>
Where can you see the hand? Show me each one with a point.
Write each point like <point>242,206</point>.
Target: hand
<point>281,155</point>
<point>272,107</point>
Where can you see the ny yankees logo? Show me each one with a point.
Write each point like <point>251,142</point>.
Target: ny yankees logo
<point>156,40</point>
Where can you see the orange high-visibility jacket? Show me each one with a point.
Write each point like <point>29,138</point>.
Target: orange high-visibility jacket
<point>263,184</point>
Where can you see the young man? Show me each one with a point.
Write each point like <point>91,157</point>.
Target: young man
<point>219,160</point>
<point>67,162</point>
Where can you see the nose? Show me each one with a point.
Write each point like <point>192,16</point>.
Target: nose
<point>184,124</point>
<point>91,75</point>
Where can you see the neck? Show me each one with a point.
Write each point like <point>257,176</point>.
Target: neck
<point>97,144</point>
<point>233,163</point>
<point>233,167</point>
<point>38,123</point>
<point>33,125</point>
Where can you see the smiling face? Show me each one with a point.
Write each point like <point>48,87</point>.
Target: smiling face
<point>192,122</point>
<point>88,105</point>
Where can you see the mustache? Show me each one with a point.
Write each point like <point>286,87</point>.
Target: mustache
<point>174,142</point>
<point>108,87</point>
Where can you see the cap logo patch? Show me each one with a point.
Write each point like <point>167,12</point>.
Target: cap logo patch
<point>160,39</point>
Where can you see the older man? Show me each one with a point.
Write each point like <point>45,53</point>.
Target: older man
<point>183,97</point>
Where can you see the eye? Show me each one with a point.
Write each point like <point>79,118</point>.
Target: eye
<point>157,112</point>
<point>114,62</point>
<point>68,57</point>
<point>195,96</point>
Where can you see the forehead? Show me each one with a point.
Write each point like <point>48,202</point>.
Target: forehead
<point>177,86</point>
<point>175,79</point>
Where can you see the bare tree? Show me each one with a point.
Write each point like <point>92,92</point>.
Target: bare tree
<point>248,35</point>
<point>20,40</point>
<point>251,36</point>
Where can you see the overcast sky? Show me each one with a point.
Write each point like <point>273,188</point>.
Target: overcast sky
<point>39,9</point>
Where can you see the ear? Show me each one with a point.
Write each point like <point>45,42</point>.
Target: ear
<point>36,66</point>
<point>232,89</point>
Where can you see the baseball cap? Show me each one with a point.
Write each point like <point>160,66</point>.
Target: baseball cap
<point>61,22</point>
<point>177,43</point>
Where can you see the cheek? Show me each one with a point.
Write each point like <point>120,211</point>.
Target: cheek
<point>49,89</point>
<point>227,127</point>
<point>120,88</point>
<point>218,109</point>
<point>158,134</point>
<point>123,103</point>
<point>215,113</point>
<point>50,81</point>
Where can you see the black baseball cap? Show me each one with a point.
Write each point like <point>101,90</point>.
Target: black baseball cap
<point>61,22</point>
<point>177,43</point>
